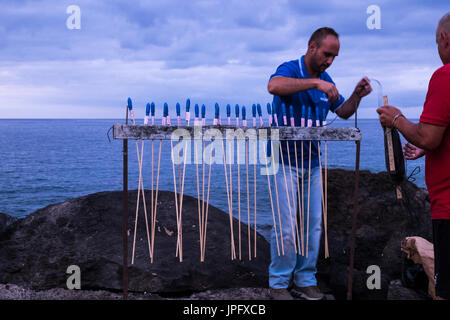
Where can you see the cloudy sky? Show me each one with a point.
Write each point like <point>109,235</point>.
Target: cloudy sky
<point>205,50</point>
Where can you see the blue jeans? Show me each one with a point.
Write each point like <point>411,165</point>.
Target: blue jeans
<point>287,260</point>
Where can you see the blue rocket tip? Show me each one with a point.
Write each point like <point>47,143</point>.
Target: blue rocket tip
<point>283,109</point>
<point>147,109</point>
<point>258,107</point>
<point>291,111</point>
<point>228,110</point>
<point>303,111</point>
<point>309,112</point>
<point>178,107</point>
<point>188,105</point>
<point>152,108</point>
<point>243,113</point>
<point>130,104</point>
<point>269,109</point>
<point>203,110</point>
<point>317,113</point>
<point>216,108</point>
<point>254,110</point>
<point>236,110</point>
<point>196,110</point>
<point>166,109</point>
<point>274,110</point>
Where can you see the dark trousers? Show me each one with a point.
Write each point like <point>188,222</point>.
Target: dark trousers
<point>441,243</point>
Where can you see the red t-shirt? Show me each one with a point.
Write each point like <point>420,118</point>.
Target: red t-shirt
<point>436,111</point>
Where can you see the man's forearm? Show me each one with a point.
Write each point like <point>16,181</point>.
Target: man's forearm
<point>349,107</point>
<point>285,86</point>
<point>412,132</point>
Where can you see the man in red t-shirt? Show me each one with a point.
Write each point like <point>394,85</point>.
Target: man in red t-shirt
<point>431,137</point>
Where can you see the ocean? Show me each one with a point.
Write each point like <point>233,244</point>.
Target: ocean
<point>46,161</point>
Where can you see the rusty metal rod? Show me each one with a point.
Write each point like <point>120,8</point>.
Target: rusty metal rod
<point>125,217</point>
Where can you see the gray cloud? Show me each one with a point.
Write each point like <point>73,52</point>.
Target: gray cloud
<point>207,50</point>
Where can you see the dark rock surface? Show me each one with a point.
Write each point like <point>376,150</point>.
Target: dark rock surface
<point>5,221</point>
<point>36,251</point>
<point>87,232</point>
<point>383,222</point>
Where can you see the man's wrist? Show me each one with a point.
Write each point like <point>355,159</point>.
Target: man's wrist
<point>397,116</point>
<point>357,96</point>
<point>315,82</point>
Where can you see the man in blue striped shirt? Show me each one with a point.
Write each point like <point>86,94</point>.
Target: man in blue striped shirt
<point>305,85</point>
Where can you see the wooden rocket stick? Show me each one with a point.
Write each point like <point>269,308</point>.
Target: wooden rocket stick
<point>175,190</point>
<point>181,188</point>
<point>156,200</point>
<point>239,193</point>
<point>201,226</point>
<point>175,183</point>
<point>203,198</point>
<point>165,121</point>
<point>284,176</point>
<point>254,184</point>
<point>323,197</point>
<point>391,157</point>
<point>144,202</point>
<point>147,113</point>
<point>179,222</point>
<point>239,203</point>
<point>261,123</point>
<point>292,123</point>
<point>244,124</point>
<point>205,223</point>
<point>248,202</point>
<point>325,212</point>
<point>309,193</point>
<point>178,109</point>
<point>309,124</point>
<point>152,193</point>
<point>229,204</point>
<point>198,202</point>
<point>275,117</point>
<point>231,212</point>
<point>302,211</point>
<point>299,201</point>
<point>140,157</point>
<point>318,124</point>
<point>288,195</point>
<point>325,209</point>
<point>179,176</point>
<point>270,196</point>
<point>140,185</point>
<point>152,162</point>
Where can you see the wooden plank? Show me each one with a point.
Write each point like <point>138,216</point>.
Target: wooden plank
<point>143,132</point>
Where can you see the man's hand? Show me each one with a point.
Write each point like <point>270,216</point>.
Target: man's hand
<point>363,88</point>
<point>387,115</point>
<point>329,89</point>
<point>412,152</point>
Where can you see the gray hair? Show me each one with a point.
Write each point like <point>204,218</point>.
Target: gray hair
<point>444,24</point>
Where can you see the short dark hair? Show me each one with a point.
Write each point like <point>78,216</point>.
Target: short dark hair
<point>321,34</point>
